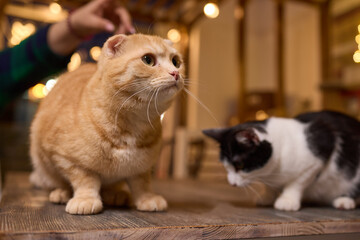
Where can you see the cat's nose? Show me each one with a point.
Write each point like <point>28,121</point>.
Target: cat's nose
<point>175,74</point>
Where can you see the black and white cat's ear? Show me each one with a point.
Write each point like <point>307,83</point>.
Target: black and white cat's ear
<point>113,44</point>
<point>247,137</point>
<point>215,133</point>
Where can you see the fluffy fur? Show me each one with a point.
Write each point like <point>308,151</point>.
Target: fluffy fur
<point>313,157</point>
<point>100,125</point>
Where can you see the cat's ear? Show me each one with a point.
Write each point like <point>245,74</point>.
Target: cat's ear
<point>247,137</point>
<point>215,133</point>
<point>113,44</point>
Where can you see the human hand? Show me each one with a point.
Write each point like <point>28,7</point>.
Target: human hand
<point>101,15</point>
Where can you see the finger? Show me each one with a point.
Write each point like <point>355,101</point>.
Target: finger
<point>121,30</point>
<point>125,19</point>
<point>101,24</point>
<point>96,4</point>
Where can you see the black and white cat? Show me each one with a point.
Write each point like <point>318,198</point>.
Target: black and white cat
<point>314,157</point>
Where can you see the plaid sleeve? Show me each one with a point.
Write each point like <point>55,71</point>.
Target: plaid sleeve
<point>26,64</point>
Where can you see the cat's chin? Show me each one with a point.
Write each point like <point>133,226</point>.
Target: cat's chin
<point>171,90</point>
<point>236,180</point>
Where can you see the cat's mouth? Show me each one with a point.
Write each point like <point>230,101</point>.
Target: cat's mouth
<point>175,86</point>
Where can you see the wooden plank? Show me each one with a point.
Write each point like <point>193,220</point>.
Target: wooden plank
<point>36,13</point>
<point>197,210</point>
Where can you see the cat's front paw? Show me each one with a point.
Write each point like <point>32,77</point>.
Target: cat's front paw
<point>344,203</point>
<point>287,204</point>
<point>82,205</point>
<point>151,202</point>
<point>59,195</point>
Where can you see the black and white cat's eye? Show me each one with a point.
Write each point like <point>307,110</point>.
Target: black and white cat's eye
<point>149,59</point>
<point>176,61</point>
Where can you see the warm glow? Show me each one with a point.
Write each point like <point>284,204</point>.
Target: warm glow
<point>55,8</point>
<point>238,13</point>
<point>357,39</point>
<point>20,31</point>
<point>37,92</point>
<point>261,115</point>
<point>75,62</point>
<point>174,35</point>
<point>95,53</point>
<point>211,10</point>
<point>356,56</point>
<point>359,28</point>
<point>50,84</point>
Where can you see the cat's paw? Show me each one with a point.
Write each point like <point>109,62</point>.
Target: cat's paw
<point>287,204</point>
<point>81,205</point>
<point>60,195</point>
<point>151,202</point>
<point>115,198</point>
<point>345,203</point>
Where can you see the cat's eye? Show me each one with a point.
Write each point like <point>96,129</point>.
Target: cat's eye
<point>149,59</point>
<point>176,61</point>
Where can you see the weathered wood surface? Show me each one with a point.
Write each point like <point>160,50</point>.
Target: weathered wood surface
<point>197,210</point>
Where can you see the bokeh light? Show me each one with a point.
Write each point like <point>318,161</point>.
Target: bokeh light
<point>174,35</point>
<point>95,53</point>
<point>75,62</point>
<point>211,10</point>
<point>55,8</point>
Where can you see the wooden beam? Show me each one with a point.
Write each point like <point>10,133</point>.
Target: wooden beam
<point>242,61</point>
<point>35,13</point>
<point>280,94</point>
<point>174,11</point>
<point>325,46</point>
<point>311,2</point>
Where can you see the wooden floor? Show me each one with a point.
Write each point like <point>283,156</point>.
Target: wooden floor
<point>197,210</point>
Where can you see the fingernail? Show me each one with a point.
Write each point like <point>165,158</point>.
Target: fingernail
<point>132,30</point>
<point>110,27</point>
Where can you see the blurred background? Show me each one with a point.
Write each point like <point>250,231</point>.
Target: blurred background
<point>246,60</point>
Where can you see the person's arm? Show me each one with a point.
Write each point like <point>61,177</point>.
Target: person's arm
<point>26,64</point>
<point>96,16</point>
<point>48,50</point>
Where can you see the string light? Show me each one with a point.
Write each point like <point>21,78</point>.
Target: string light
<point>55,8</point>
<point>95,53</point>
<point>211,10</point>
<point>20,31</point>
<point>75,62</point>
<point>174,35</point>
<point>356,55</point>
<point>37,92</point>
<point>261,115</point>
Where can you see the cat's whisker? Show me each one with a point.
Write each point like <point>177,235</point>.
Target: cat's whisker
<point>148,109</point>
<point>255,192</point>
<point>122,105</point>
<point>201,104</point>
<point>155,103</point>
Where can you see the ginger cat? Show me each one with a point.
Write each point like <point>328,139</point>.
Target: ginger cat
<point>100,126</point>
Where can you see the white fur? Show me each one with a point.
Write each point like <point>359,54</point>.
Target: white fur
<point>295,170</point>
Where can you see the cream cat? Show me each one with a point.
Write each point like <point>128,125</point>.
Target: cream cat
<point>100,125</point>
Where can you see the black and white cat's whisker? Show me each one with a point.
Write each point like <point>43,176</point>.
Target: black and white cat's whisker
<point>253,190</point>
<point>201,104</point>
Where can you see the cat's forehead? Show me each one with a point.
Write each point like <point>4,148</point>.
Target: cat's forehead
<point>151,44</point>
